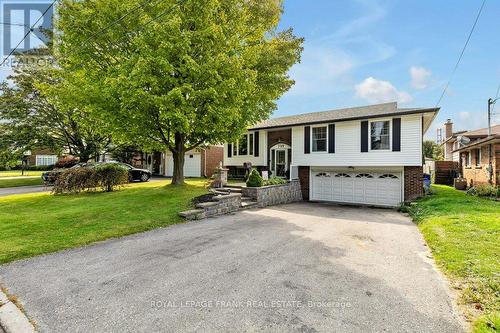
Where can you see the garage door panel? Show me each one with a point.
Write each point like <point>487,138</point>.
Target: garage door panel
<point>357,187</point>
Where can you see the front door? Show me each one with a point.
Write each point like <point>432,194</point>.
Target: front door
<point>280,163</point>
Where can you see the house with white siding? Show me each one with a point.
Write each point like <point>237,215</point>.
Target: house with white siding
<point>363,155</point>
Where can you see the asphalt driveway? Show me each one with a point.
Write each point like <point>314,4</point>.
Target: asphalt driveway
<point>295,268</point>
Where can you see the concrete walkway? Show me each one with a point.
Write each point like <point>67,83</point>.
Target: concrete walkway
<point>23,190</point>
<point>295,268</point>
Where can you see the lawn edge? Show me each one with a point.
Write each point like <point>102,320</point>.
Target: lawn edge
<point>447,282</point>
<point>12,316</point>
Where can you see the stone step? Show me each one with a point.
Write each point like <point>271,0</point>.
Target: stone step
<point>248,204</point>
<point>230,189</point>
<point>247,199</point>
<point>193,214</point>
<point>232,186</point>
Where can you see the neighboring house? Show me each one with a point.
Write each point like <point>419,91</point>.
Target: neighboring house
<point>364,155</point>
<point>450,142</point>
<point>41,157</point>
<point>200,162</point>
<point>480,159</point>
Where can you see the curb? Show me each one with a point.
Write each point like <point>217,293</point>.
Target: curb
<point>12,320</point>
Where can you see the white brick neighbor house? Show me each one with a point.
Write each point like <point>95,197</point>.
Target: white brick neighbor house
<point>363,155</point>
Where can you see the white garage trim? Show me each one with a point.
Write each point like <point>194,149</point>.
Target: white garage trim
<point>370,186</point>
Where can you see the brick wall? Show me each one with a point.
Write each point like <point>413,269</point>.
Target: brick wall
<point>414,182</point>
<point>212,156</point>
<point>39,151</point>
<point>304,181</point>
<point>478,174</point>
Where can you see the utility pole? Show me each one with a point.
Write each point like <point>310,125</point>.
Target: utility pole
<point>490,103</point>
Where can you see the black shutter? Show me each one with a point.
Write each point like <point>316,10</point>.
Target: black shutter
<point>307,140</point>
<point>396,134</point>
<point>364,136</point>
<point>331,138</point>
<point>229,149</point>
<point>256,144</point>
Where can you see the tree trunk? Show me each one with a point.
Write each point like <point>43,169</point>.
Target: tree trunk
<point>178,156</point>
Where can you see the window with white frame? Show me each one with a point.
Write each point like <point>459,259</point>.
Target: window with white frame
<point>319,139</point>
<point>468,158</point>
<point>380,135</point>
<point>478,157</point>
<point>46,159</point>
<point>244,146</point>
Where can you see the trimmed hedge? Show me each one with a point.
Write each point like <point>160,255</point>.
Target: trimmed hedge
<point>111,176</point>
<point>107,177</point>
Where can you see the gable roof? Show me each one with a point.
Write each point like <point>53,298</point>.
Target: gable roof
<point>482,132</point>
<point>355,113</point>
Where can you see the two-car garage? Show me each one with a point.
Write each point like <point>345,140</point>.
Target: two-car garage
<point>380,187</point>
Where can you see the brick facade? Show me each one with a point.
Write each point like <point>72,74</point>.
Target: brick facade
<point>477,173</point>
<point>39,151</point>
<point>211,159</point>
<point>304,181</point>
<point>414,182</point>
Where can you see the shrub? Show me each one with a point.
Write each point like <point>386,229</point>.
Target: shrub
<point>275,181</point>
<point>76,180</point>
<point>66,162</point>
<point>111,176</point>
<point>255,179</point>
<point>484,190</point>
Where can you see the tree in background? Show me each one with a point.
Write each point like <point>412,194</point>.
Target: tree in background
<point>433,150</point>
<point>176,74</point>
<point>34,119</point>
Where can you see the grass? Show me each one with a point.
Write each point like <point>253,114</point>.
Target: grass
<point>16,182</point>
<point>17,173</point>
<point>463,233</point>
<point>34,224</point>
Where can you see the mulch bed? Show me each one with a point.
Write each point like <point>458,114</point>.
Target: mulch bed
<point>203,198</point>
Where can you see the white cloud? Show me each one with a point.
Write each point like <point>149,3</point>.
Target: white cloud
<point>378,91</point>
<point>419,77</point>
<point>322,71</point>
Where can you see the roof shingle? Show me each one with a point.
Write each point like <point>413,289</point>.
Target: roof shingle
<point>377,110</point>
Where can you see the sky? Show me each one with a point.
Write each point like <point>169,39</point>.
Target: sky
<point>361,52</point>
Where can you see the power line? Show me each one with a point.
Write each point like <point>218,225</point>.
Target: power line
<point>461,54</point>
<point>141,5</point>
<point>496,97</point>
<point>28,33</point>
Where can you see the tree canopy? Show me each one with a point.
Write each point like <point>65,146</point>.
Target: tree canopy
<point>33,119</point>
<point>176,74</point>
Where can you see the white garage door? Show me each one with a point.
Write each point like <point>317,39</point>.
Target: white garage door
<point>373,188</point>
<point>192,165</point>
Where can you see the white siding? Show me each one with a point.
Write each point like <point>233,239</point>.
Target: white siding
<point>348,146</point>
<point>261,160</point>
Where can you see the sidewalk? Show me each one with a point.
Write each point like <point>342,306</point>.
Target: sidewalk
<point>23,190</point>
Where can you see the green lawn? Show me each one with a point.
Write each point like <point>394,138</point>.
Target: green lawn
<point>33,224</point>
<point>16,182</point>
<point>463,233</point>
<point>17,173</point>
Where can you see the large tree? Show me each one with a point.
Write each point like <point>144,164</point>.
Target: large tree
<point>433,150</point>
<point>177,74</point>
<point>32,119</point>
